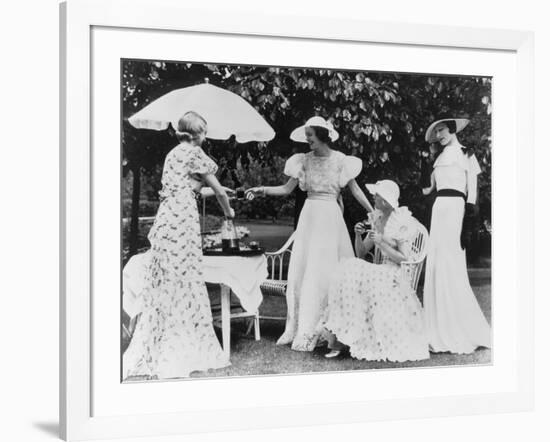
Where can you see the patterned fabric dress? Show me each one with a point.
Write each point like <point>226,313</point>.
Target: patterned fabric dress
<point>321,241</point>
<point>174,335</point>
<point>372,309</point>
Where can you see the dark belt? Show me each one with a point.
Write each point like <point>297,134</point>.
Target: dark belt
<point>451,192</point>
<point>459,194</point>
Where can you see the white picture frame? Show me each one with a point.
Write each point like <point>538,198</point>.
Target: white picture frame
<point>77,377</point>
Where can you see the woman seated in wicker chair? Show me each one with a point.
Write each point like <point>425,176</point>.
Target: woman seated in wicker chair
<point>372,307</point>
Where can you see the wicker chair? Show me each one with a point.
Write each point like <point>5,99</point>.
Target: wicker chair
<point>277,262</point>
<point>412,268</point>
<point>277,267</point>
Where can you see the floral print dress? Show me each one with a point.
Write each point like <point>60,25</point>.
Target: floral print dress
<point>174,335</point>
<point>372,308</point>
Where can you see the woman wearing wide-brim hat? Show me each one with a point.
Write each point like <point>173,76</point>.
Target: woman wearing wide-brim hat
<point>454,320</point>
<point>372,309</point>
<point>321,237</point>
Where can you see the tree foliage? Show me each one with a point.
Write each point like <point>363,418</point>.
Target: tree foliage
<point>381,118</point>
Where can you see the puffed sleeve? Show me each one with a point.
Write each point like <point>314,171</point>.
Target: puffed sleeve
<point>403,226</point>
<point>201,163</point>
<point>351,167</point>
<point>294,166</point>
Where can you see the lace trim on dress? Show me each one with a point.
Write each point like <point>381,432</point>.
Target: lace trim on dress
<point>344,168</point>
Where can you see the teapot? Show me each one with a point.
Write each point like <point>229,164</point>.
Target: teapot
<point>230,241</point>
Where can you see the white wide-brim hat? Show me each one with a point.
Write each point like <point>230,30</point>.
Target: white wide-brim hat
<point>387,189</point>
<point>299,134</point>
<point>461,123</point>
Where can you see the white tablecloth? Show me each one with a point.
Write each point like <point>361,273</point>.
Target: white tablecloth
<point>242,274</point>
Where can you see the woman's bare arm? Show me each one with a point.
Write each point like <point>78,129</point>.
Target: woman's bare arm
<point>207,192</point>
<point>284,189</point>
<point>359,195</point>
<point>220,193</point>
<point>395,254</point>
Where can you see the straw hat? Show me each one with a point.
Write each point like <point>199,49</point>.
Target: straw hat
<point>461,123</point>
<point>299,134</point>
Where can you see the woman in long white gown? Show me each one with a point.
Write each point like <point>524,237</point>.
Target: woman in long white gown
<point>321,238</point>
<point>454,320</point>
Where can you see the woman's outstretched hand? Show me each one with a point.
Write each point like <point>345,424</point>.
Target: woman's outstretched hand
<point>231,213</point>
<point>230,192</point>
<point>253,192</point>
<point>207,192</point>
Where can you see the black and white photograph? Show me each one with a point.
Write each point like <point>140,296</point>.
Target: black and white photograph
<point>295,220</point>
<point>275,221</point>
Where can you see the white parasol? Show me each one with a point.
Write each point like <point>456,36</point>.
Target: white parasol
<point>226,113</point>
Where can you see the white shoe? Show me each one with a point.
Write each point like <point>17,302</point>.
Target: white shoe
<point>333,354</point>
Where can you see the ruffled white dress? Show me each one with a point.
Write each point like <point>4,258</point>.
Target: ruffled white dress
<point>321,242</point>
<point>454,320</point>
<point>372,308</point>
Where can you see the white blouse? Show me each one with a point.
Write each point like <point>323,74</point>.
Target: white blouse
<point>455,170</point>
<point>326,174</point>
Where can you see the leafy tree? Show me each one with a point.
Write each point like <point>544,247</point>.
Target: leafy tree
<point>381,118</point>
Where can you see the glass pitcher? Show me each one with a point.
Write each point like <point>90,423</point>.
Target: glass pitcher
<point>230,241</point>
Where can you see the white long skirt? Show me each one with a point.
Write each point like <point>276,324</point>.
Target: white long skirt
<point>454,320</point>
<point>321,242</point>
